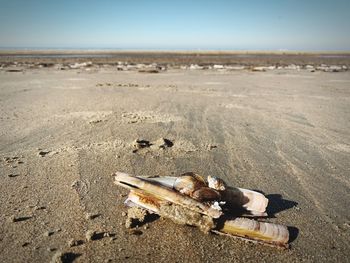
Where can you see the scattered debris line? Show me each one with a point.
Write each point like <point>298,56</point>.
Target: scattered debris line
<point>212,206</point>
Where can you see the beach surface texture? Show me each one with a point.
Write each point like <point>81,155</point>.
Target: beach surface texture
<point>64,130</point>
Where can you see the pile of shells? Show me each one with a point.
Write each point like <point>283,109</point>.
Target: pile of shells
<point>210,205</point>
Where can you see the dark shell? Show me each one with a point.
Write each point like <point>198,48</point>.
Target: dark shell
<point>206,194</point>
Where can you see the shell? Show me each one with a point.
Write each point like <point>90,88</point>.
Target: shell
<point>252,201</point>
<point>205,194</point>
<point>147,202</point>
<point>273,234</point>
<point>261,231</point>
<point>216,183</point>
<point>167,181</point>
<point>156,190</point>
<point>188,183</point>
<point>176,213</point>
<point>153,195</point>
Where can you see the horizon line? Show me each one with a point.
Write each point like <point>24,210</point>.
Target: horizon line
<point>29,50</point>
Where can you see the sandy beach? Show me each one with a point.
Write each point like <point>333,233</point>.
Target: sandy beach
<point>63,133</point>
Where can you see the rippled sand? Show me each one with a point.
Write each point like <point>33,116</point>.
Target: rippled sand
<point>63,133</point>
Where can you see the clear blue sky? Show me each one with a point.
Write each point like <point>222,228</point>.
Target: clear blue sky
<point>176,24</point>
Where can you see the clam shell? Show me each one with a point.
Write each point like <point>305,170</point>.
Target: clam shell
<point>206,194</point>
<point>188,183</point>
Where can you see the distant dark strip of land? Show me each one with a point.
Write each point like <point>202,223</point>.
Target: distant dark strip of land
<point>177,57</point>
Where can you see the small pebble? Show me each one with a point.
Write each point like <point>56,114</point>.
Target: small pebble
<point>89,216</point>
<point>135,232</point>
<point>39,207</point>
<point>72,242</point>
<point>48,233</point>
<point>75,184</point>
<point>211,146</point>
<point>89,235</point>
<point>124,214</point>
<point>43,153</point>
<point>57,257</point>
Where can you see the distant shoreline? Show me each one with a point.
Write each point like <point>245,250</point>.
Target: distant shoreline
<point>162,51</point>
<point>178,58</point>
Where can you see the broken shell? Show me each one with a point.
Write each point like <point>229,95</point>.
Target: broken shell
<point>176,213</point>
<point>154,189</point>
<point>216,183</point>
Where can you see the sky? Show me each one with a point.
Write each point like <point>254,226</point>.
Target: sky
<point>307,25</point>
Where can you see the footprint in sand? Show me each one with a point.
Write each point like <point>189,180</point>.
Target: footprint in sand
<point>161,143</point>
<point>178,146</point>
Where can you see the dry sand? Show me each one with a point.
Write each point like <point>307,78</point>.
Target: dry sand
<point>63,133</point>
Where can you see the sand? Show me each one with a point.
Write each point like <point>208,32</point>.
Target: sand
<point>63,134</point>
